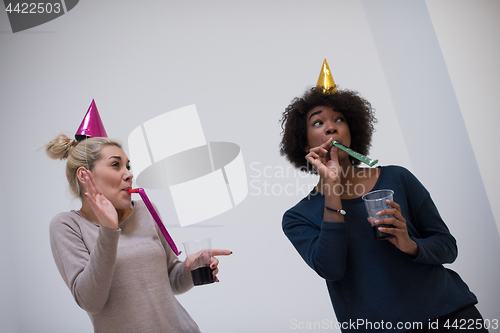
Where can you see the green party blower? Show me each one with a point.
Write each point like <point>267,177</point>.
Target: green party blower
<point>354,154</point>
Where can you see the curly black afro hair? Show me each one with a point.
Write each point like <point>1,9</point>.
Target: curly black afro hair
<point>359,114</point>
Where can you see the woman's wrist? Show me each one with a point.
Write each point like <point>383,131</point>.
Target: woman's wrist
<point>331,189</point>
<point>333,211</point>
<point>331,181</point>
<point>413,249</point>
<point>333,215</point>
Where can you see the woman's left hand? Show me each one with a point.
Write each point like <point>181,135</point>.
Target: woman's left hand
<point>193,259</point>
<point>401,237</point>
<point>103,209</point>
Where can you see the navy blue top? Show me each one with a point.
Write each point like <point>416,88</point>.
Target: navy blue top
<point>373,280</point>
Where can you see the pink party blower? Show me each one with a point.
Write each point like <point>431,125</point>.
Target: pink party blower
<point>156,218</point>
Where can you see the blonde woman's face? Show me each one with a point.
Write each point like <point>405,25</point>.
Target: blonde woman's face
<point>112,175</point>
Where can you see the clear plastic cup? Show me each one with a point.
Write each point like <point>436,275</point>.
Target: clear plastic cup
<point>374,203</point>
<point>200,252</point>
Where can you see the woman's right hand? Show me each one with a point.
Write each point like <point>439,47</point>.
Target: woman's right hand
<point>201,258</point>
<point>324,159</point>
<point>102,207</point>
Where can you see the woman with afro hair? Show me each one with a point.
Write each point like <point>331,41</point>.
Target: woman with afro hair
<point>393,285</point>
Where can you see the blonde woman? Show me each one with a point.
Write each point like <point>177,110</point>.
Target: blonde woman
<point>110,252</point>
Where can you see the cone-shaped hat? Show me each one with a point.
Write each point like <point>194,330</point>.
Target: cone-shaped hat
<point>91,125</point>
<point>325,79</point>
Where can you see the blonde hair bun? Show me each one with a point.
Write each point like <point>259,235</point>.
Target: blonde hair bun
<point>60,147</point>
<point>84,153</point>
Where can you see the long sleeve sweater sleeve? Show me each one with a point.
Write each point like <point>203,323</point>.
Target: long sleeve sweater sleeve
<point>322,245</point>
<point>180,278</point>
<point>88,274</point>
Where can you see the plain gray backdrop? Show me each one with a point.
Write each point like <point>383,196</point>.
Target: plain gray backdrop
<point>429,68</point>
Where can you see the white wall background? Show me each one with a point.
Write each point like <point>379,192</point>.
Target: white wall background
<point>241,64</point>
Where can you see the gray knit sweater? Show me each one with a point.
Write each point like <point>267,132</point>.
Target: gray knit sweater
<point>125,279</point>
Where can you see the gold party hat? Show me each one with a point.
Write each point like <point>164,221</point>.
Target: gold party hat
<point>325,79</point>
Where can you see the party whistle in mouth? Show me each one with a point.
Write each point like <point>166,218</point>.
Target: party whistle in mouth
<point>354,154</point>
<point>156,218</point>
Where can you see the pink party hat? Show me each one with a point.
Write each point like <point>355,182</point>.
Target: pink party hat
<point>91,125</point>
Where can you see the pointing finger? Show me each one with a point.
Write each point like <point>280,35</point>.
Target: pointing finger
<point>217,252</point>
